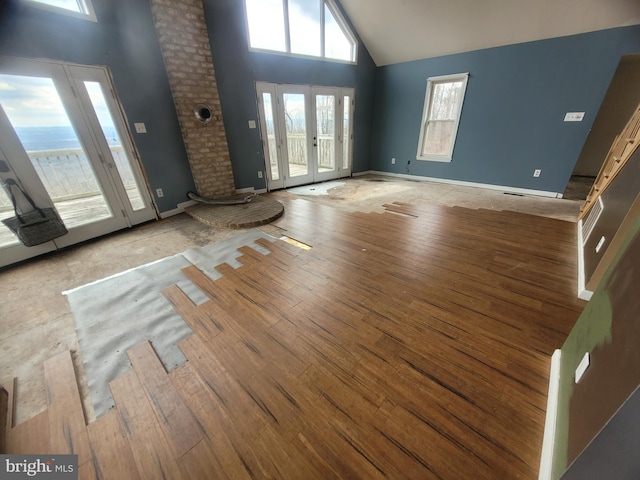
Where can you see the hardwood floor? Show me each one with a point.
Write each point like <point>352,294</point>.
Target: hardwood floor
<point>410,344</point>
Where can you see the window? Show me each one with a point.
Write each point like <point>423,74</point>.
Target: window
<point>74,8</point>
<point>312,28</point>
<point>442,108</point>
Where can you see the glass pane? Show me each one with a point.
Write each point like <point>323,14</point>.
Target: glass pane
<point>326,131</point>
<point>336,44</point>
<point>266,24</point>
<point>304,26</point>
<point>72,5</point>
<point>122,161</point>
<point>346,133</point>
<point>437,139</point>
<point>296,131</point>
<point>36,112</point>
<point>445,100</point>
<point>6,210</point>
<point>272,146</point>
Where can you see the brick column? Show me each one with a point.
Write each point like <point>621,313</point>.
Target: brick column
<point>184,41</point>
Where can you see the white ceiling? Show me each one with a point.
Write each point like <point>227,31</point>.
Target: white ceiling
<point>397,31</point>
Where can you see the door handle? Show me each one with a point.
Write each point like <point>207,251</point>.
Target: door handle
<point>315,142</point>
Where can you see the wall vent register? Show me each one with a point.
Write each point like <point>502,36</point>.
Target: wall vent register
<point>589,223</point>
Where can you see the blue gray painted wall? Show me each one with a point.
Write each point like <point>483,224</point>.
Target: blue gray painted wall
<point>237,70</point>
<point>124,39</point>
<point>512,118</point>
<point>511,121</point>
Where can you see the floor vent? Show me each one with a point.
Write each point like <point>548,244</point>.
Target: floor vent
<point>590,220</point>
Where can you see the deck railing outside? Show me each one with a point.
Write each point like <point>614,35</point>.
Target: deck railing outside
<point>67,174</point>
<point>297,149</point>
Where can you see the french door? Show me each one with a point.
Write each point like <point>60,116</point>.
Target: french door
<point>64,139</point>
<point>307,133</point>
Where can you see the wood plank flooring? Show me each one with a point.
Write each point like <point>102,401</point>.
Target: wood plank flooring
<point>410,344</point>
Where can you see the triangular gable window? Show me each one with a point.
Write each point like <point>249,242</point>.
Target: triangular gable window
<point>338,42</point>
<point>311,28</point>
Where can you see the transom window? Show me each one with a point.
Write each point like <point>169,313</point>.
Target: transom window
<point>74,8</point>
<point>441,116</point>
<point>300,27</point>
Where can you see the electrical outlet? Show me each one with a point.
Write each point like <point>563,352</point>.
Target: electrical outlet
<point>252,124</point>
<point>140,127</point>
<point>393,161</point>
<point>159,193</point>
<point>537,172</point>
<point>259,173</point>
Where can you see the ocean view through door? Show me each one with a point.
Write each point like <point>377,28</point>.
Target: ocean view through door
<point>307,133</point>
<point>63,139</point>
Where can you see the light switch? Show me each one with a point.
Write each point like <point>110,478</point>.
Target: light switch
<point>252,124</point>
<point>140,127</point>
<point>574,116</point>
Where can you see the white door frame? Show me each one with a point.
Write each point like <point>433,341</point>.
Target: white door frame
<point>277,91</point>
<point>68,80</point>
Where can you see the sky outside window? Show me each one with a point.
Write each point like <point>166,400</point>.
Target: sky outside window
<point>304,26</point>
<point>266,24</point>
<point>22,96</point>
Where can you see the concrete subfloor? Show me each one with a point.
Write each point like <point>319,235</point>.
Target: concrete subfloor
<point>35,318</point>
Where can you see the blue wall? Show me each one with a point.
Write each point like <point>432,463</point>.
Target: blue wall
<point>512,118</point>
<point>237,70</point>
<point>125,40</point>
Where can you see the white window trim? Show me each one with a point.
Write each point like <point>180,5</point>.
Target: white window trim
<point>88,14</point>
<point>337,15</point>
<point>425,114</point>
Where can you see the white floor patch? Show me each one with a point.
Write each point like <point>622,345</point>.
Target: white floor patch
<point>315,189</point>
<point>117,313</point>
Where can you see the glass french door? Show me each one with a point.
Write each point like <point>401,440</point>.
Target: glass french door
<point>307,133</point>
<point>64,140</point>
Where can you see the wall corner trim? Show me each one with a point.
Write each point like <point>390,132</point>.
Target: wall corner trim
<point>548,441</point>
<point>489,186</point>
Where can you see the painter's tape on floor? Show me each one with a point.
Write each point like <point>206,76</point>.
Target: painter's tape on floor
<point>117,313</point>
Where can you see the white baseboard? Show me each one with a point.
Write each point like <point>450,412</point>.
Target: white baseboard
<point>179,210</point>
<point>502,188</point>
<point>548,441</point>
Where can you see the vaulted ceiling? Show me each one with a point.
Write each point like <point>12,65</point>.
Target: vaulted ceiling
<point>397,31</point>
